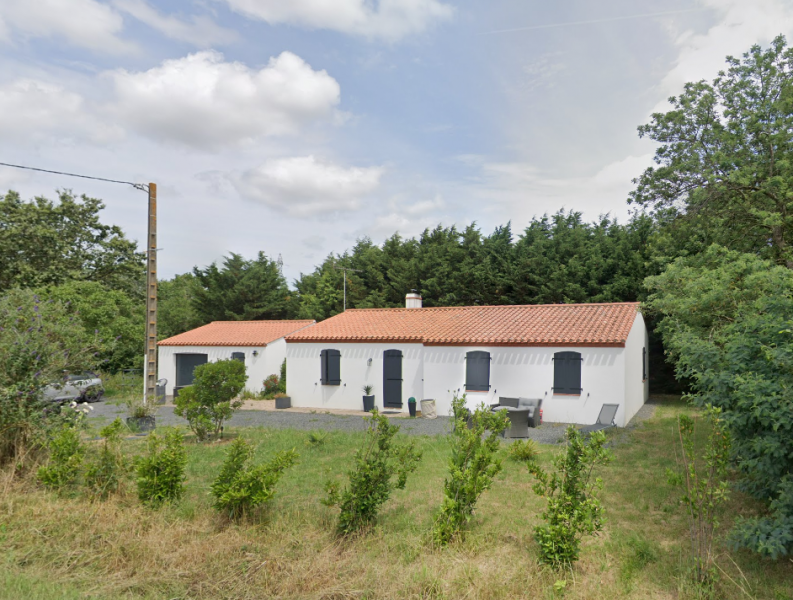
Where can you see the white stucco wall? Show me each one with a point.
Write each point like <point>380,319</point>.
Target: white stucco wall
<point>267,362</point>
<point>303,374</point>
<point>438,371</point>
<point>528,372</point>
<point>637,391</point>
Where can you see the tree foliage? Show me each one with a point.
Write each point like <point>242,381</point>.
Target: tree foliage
<point>241,290</point>
<point>46,243</point>
<point>726,153</point>
<point>727,323</point>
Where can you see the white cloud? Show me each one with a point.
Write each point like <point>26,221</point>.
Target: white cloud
<point>202,101</point>
<point>388,19</point>
<point>85,23</point>
<point>37,110</point>
<point>200,31</point>
<point>740,25</point>
<point>306,186</point>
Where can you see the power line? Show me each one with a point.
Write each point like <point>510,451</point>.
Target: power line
<point>137,186</point>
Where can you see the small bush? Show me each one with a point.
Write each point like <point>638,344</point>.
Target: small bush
<point>160,474</point>
<point>106,470</point>
<point>272,385</point>
<point>316,438</point>
<point>240,488</point>
<point>66,459</point>
<point>282,381</point>
<point>573,508</point>
<point>522,451</point>
<point>211,399</point>
<point>380,467</point>
<point>472,466</point>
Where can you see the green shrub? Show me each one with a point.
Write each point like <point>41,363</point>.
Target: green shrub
<point>240,487</point>
<point>381,466</point>
<point>160,473</point>
<point>272,385</point>
<point>704,479</point>
<point>105,471</point>
<point>66,459</point>
<point>522,450</point>
<point>316,438</point>
<point>573,508</point>
<point>211,399</point>
<point>282,381</point>
<point>473,464</point>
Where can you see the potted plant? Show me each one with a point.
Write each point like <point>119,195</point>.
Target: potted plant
<point>412,406</point>
<point>368,398</point>
<point>141,413</point>
<point>282,400</point>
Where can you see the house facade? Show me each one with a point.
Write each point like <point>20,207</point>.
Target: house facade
<point>575,357</point>
<point>258,344</point>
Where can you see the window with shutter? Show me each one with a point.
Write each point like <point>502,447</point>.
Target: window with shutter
<point>567,373</point>
<point>477,371</point>
<point>644,364</point>
<point>240,356</point>
<point>330,373</point>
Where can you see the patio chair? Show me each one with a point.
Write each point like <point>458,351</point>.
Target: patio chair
<point>533,404</point>
<point>604,421</point>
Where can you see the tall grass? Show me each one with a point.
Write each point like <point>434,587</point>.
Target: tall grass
<point>118,549</point>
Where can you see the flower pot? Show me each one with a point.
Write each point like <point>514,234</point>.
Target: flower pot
<point>283,402</point>
<point>368,403</point>
<point>412,408</point>
<point>141,424</point>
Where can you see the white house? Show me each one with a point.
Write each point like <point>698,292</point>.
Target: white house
<point>575,357</point>
<point>259,344</point>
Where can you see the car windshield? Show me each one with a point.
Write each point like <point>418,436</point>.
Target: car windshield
<point>79,376</point>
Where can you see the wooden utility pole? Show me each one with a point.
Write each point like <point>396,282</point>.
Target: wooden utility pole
<point>151,298</point>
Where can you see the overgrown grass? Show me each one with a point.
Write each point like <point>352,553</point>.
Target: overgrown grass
<point>62,548</point>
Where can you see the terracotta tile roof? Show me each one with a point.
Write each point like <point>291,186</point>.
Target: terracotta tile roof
<point>236,333</point>
<point>533,325</point>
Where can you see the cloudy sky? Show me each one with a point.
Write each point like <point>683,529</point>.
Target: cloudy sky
<point>296,127</point>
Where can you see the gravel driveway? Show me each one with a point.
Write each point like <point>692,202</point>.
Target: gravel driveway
<point>550,433</point>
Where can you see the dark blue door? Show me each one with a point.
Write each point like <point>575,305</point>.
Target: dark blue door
<point>392,379</point>
<point>185,365</point>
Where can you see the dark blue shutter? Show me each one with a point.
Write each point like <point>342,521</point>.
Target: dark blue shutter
<point>644,364</point>
<point>477,371</point>
<point>240,356</point>
<point>330,367</point>
<point>567,372</point>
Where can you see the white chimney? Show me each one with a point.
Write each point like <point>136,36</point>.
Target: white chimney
<point>413,300</point>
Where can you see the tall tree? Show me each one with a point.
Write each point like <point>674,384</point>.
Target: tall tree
<point>242,290</point>
<point>726,153</point>
<point>175,311</point>
<point>49,243</point>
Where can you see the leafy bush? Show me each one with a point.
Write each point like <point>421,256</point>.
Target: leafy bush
<point>66,459</point>
<point>160,473</point>
<point>105,471</point>
<point>726,323</point>
<point>211,399</point>
<point>272,385</point>
<point>282,381</point>
<point>240,488</point>
<point>39,341</point>
<point>316,438</point>
<point>706,487</point>
<point>473,465</point>
<point>573,509</point>
<point>381,466</point>
<point>522,450</point>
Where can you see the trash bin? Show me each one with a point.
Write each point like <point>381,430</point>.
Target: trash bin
<point>428,409</point>
<point>159,391</point>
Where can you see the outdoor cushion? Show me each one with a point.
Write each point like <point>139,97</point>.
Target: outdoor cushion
<point>513,402</point>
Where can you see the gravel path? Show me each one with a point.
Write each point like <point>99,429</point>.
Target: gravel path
<point>550,433</point>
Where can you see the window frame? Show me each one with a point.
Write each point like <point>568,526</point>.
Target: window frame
<point>478,354</point>
<point>570,357</point>
<point>327,357</point>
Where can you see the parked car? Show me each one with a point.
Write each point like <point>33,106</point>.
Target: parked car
<point>78,387</point>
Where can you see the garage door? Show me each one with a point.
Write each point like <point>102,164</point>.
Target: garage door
<point>185,364</point>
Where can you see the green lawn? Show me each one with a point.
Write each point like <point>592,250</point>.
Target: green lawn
<point>69,548</point>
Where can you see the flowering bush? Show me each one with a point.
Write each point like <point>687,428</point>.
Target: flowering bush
<point>271,386</point>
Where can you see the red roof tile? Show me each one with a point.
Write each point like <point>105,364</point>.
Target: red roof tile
<point>236,333</point>
<point>533,325</point>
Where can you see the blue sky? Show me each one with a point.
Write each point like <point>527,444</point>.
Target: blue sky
<point>297,127</point>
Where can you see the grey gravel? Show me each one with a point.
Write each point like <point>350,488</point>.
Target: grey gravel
<point>548,433</point>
